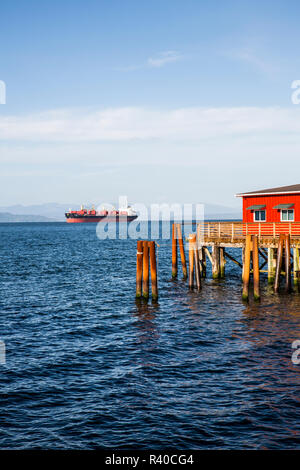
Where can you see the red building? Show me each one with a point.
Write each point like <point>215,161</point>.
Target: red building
<point>272,205</point>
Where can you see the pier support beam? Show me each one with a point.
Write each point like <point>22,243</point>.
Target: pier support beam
<point>145,270</point>
<point>139,269</point>
<point>279,262</point>
<point>202,261</point>
<point>271,265</point>
<point>174,251</point>
<point>192,243</point>
<point>222,262</point>
<point>182,253</point>
<point>255,261</point>
<point>197,268</point>
<point>296,268</point>
<point>246,269</point>
<point>215,261</point>
<point>153,270</point>
<point>287,247</point>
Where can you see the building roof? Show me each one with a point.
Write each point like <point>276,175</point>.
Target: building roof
<point>293,188</point>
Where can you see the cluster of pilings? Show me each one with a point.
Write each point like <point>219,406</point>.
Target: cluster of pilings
<point>146,253</point>
<point>275,253</point>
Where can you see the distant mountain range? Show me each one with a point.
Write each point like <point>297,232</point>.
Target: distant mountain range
<point>8,217</point>
<point>55,212</point>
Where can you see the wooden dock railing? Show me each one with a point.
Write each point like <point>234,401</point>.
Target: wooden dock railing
<point>236,230</point>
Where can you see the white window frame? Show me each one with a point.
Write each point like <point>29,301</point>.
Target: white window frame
<point>259,210</point>
<point>286,210</point>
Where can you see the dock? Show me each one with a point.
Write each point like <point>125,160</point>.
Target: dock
<point>270,248</point>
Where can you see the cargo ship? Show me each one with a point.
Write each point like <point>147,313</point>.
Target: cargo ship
<point>126,214</point>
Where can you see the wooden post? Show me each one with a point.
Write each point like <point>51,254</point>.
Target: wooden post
<point>243,260</point>
<point>174,251</point>
<point>279,262</point>
<point>139,269</point>
<point>192,240</point>
<point>255,261</point>
<point>287,247</point>
<point>145,270</point>
<point>182,253</point>
<point>153,271</point>
<point>197,270</point>
<point>246,269</point>
<point>215,261</point>
<point>296,268</point>
<point>222,262</point>
<point>271,265</point>
<point>202,261</point>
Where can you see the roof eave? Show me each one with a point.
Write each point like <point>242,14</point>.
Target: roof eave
<point>266,194</point>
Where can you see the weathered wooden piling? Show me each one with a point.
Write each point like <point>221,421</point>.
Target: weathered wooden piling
<point>215,261</point>
<point>174,251</point>
<point>153,269</point>
<point>279,262</point>
<point>182,253</point>
<point>222,262</point>
<point>271,264</point>
<point>246,270</point>
<point>139,269</point>
<point>255,262</point>
<point>296,267</point>
<point>145,269</point>
<point>202,261</point>
<point>192,242</point>
<point>197,268</point>
<point>287,249</point>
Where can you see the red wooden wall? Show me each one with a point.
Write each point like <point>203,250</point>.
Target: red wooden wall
<point>272,215</point>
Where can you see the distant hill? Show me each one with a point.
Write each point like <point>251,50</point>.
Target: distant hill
<point>56,212</point>
<point>8,217</point>
<point>53,211</point>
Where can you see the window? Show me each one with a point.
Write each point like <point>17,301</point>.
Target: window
<point>287,215</point>
<point>259,216</point>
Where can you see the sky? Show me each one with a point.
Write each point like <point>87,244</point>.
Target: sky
<point>162,101</point>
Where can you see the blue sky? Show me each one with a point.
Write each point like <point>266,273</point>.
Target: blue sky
<point>165,101</point>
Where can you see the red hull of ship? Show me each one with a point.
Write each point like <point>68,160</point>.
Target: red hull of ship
<point>96,219</point>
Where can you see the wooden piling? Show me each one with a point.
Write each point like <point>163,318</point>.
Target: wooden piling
<point>255,261</point>
<point>192,241</point>
<point>139,269</point>
<point>271,265</point>
<point>246,270</point>
<point>296,267</point>
<point>215,261</point>
<point>182,253</point>
<point>222,262</point>
<point>279,262</point>
<point>153,270</point>
<point>174,251</point>
<point>197,269</point>
<point>145,270</point>
<point>287,247</point>
<point>202,261</point>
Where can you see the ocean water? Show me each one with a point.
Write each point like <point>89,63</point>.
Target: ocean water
<point>89,367</point>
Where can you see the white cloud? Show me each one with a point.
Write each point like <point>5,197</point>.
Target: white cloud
<point>134,123</point>
<point>159,61</point>
<point>164,58</point>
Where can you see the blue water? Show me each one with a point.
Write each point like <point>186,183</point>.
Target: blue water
<point>89,367</point>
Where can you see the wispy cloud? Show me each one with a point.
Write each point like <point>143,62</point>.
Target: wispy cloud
<point>134,123</point>
<point>164,58</point>
<point>158,61</point>
<point>253,58</point>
